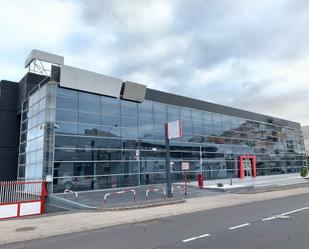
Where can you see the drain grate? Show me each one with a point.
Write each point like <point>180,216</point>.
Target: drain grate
<point>25,229</point>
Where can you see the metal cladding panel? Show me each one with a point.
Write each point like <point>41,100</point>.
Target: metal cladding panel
<point>44,56</point>
<point>83,80</point>
<point>134,91</point>
<point>178,100</point>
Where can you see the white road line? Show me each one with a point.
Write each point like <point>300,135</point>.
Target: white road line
<point>269,218</point>
<point>294,211</point>
<point>284,215</point>
<point>239,226</point>
<point>197,237</point>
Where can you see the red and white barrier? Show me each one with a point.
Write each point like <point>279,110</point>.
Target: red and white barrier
<point>67,191</point>
<point>155,190</point>
<point>120,192</point>
<point>22,198</point>
<point>178,187</point>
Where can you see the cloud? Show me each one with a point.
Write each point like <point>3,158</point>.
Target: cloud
<point>252,54</point>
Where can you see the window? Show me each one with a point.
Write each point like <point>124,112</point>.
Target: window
<point>159,111</point>
<point>67,103</point>
<point>89,118</point>
<point>66,92</point>
<point>128,109</point>
<point>67,116</point>
<point>89,106</point>
<point>66,128</point>
<point>110,121</point>
<point>89,130</point>
<point>173,113</point>
<point>110,106</point>
<point>128,122</point>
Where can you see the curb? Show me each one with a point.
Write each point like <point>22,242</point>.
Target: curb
<point>68,204</point>
<point>230,190</point>
<point>164,203</point>
<point>273,188</point>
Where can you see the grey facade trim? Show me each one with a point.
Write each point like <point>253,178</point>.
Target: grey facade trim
<point>173,99</point>
<point>133,91</point>
<point>87,81</point>
<point>43,56</point>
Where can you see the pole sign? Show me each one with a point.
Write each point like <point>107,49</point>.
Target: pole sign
<point>174,129</point>
<point>185,166</point>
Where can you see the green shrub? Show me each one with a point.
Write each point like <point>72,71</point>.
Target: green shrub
<point>304,172</point>
<point>220,184</point>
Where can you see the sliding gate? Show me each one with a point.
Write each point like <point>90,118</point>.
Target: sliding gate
<point>22,198</point>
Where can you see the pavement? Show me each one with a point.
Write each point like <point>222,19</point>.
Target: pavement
<point>258,182</point>
<point>95,199</point>
<point>272,223</point>
<point>69,222</point>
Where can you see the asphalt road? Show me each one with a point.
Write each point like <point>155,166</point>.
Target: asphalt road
<point>279,223</point>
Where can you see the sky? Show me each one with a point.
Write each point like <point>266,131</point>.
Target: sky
<point>248,54</point>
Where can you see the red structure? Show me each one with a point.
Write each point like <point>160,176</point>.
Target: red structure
<point>22,198</point>
<point>241,166</point>
<point>200,180</point>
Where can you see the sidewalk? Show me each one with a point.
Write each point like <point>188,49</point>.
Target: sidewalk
<point>95,199</point>
<point>50,225</point>
<point>259,181</point>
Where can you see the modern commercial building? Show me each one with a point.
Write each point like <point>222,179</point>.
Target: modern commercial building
<point>89,131</point>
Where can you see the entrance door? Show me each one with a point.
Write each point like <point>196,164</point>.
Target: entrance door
<point>247,166</point>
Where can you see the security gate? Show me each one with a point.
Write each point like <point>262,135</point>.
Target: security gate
<point>22,198</point>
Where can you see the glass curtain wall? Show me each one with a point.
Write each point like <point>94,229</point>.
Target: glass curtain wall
<point>104,142</point>
<point>36,134</point>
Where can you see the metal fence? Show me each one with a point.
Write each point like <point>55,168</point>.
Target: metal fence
<point>20,191</point>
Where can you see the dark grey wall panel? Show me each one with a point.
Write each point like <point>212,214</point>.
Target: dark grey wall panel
<point>8,165</point>
<point>28,83</point>
<point>9,130</point>
<point>174,99</point>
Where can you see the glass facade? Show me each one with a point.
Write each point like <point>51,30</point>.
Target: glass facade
<point>37,134</point>
<point>103,142</point>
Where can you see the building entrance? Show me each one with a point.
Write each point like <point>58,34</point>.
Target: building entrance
<point>247,166</point>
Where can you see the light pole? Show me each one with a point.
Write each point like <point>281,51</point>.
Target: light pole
<point>172,130</point>
<point>168,164</point>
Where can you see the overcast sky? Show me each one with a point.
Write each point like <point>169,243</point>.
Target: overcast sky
<point>249,54</point>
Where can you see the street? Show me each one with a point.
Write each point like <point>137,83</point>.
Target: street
<point>277,223</point>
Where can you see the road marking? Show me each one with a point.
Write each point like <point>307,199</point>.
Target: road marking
<point>280,216</point>
<point>269,218</point>
<point>294,211</point>
<point>239,226</point>
<point>284,215</point>
<point>197,237</point>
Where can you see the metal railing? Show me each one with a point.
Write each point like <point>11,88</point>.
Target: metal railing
<point>155,190</point>
<point>20,191</point>
<point>67,191</point>
<point>121,192</point>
